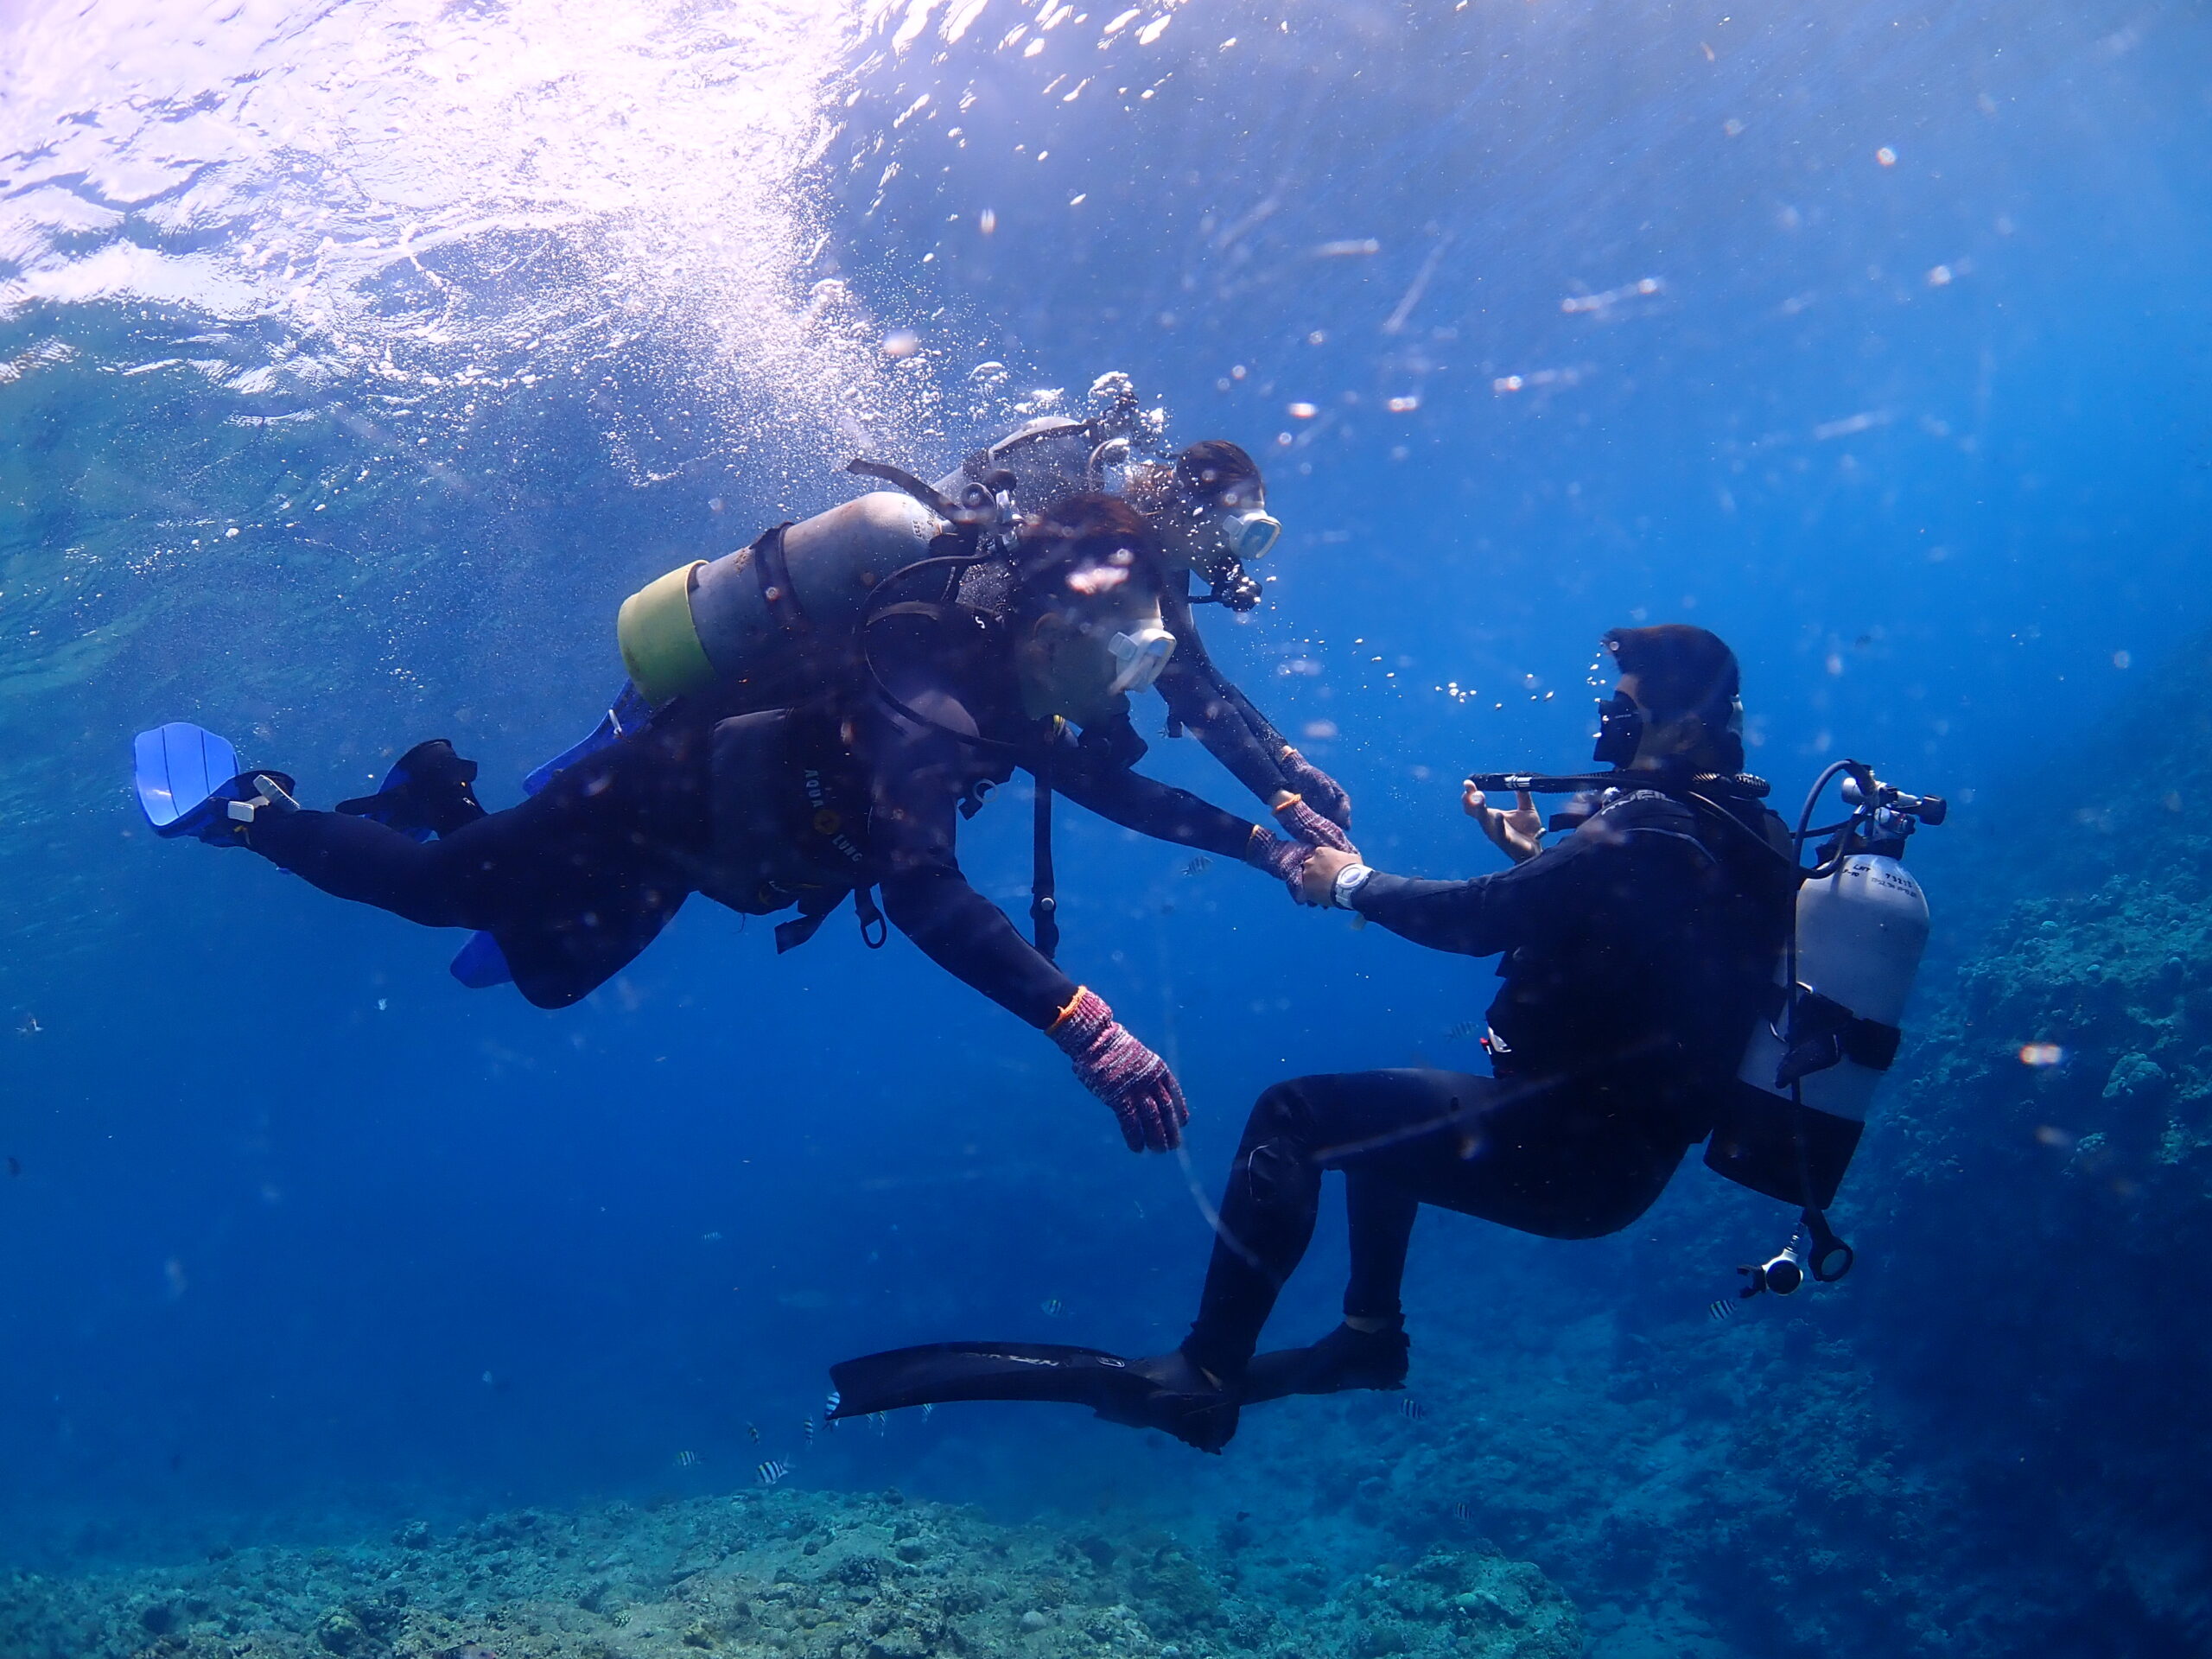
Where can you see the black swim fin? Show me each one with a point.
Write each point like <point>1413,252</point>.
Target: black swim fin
<point>426,793</point>
<point>1166,1393</point>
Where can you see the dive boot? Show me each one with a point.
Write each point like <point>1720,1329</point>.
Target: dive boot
<point>1344,1360</point>
<point>427,793</point>
<point>1173,1395</point>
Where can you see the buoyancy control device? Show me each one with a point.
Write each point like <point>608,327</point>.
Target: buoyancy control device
<point>1794,1114</point>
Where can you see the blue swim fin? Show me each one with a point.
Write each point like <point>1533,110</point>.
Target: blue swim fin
<point>481,964</point>
<point>190,784</point>
<point>178,769</point>
<point>628,713</point>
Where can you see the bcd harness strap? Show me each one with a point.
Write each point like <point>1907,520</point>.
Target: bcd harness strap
<point>1043,902</point>
<point>815,907</point>
<point>773,572</point>
<point>1822,1032</point>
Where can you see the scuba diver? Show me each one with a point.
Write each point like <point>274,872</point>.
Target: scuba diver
<point>744,630</point>
<point>903,724</point>
<point>1639,956</point>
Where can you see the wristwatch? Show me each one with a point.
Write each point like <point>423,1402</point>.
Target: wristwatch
<point>1350,879</point>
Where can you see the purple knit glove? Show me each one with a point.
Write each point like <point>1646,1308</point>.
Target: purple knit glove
<point>1318,787</point>
<point>1283,859</point>
<point>1129,1078</point>
<point>1303,822</point>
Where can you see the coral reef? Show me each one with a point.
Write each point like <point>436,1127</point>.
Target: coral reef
<point>795,1574</point>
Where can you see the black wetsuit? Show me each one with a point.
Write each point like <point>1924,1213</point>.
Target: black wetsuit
<point>762,812</point>
<point>1638,954</point>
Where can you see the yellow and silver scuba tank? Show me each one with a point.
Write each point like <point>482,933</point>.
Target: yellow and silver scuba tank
<point>728,621</point>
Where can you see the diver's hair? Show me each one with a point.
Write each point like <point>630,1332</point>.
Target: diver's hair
<point>1212,465</point>
<point>1076,536</point>
<point>1681,670</point>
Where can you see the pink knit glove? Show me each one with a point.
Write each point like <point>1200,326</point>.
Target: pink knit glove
<point>1303,822</point>
<point>1129,1078</point>
<point>1283,859</point>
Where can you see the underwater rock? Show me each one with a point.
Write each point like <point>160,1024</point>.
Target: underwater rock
<point>778,1575</point>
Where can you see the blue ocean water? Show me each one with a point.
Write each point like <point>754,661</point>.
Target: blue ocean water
<point>356,360</point>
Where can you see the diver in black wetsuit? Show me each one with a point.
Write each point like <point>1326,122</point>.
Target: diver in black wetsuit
<point>1637,954</point>
<point>863,785</point>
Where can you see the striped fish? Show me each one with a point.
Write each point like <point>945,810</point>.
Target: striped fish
<point>772,1470</point>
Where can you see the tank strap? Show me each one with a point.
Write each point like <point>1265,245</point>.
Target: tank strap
<point>1044,897</point>
<point>819,905</point>
<point>1823,1033</point>
<point>774,571</point>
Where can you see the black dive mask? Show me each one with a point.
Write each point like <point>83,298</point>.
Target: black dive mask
<point>1620,730</point>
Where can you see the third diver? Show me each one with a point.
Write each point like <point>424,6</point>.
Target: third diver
<point>1637,957</point>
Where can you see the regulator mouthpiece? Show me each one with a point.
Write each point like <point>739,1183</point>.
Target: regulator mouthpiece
<point>1139,657</point>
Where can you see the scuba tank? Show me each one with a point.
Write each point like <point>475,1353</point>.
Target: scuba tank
<point>1798,1107</point>
<point>729,622</point>
<point>1861,926</point>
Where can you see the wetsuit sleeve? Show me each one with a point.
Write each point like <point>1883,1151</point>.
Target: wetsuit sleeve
<point>1145,804</point>
<point>914,826</point>
<point>1600,863</point>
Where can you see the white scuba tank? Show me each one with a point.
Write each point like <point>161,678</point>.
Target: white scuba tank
<point>1861,931</point>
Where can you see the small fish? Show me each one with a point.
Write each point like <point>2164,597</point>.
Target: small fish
<point>830,1406</point>
<point>806,1431</point>
<point>1412,1409</point>
<point>1722,1311</point>
<point>1462,1509</point>
<point>710,1239</point>
<point>28,1026</point>
<point>469,1650</point>
<point>882,1423</point>
<point>1053,1307</point>
<point>1465,1029</point>
<point>772,1470</point>
<point>685,1459</point>
<point>928,1410</point>
<point>754,1429</point>
<point>1198,866</point>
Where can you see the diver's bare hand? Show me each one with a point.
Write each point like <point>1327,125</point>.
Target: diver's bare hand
<point>1323,866</point>
<point>1518,834</point>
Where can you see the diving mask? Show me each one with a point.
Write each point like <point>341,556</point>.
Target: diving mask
<point>1620,730</point>
<point>1139,656</point>
<point>1249,532</point>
